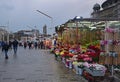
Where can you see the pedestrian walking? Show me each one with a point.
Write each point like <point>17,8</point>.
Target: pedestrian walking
<point>35,44</point>
<point>10,44</point>
<point>5,49</point>
<point>2,44</point>
<point>41,44</point>
<point>30,45</point>
<point>15,46</point>
<point>25,45</point>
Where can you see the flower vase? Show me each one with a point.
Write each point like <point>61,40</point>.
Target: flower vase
<point>67,63</point>
<point>76,69</point>
<point>63,60</point>
<point>70,64</point>
<point>80,71</point>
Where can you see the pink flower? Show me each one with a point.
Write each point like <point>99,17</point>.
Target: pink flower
<point>87,59</point>
<point>110,30</point>
<point>86,64</point>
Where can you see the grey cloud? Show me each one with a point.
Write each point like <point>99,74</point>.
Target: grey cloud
<point>6,7</point>
<point>21,13</point>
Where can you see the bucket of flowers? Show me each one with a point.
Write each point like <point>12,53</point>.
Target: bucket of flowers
<point>80,68</point>
<point>95,69</point>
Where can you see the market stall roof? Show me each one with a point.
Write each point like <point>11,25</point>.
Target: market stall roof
<point>115,24</point>
<point>94,19</point>
<point>89,22</point>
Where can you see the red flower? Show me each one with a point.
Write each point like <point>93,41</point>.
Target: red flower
<point>70,54</point>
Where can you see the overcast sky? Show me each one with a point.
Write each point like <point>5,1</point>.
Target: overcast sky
<point>22,14</point>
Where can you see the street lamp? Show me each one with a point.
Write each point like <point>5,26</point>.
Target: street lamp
<point>8,35</point>
<point>46,16</point>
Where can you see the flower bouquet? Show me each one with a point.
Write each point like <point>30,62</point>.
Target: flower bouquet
<point>95,69</point>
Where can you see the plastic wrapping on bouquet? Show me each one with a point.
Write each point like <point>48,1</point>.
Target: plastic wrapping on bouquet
<point>76,69</point>
<point>67,63</point>
<point>70,64</point>
<point>80,71</point>
<point>63,60</point>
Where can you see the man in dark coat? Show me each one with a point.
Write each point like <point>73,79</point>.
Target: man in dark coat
<point>15,46</point>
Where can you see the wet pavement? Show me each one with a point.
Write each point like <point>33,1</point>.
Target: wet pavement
<point>35,66</point>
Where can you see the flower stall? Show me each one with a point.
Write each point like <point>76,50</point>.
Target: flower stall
<point>74,58</point>
<point>98,47</point>
<point>111,45</point>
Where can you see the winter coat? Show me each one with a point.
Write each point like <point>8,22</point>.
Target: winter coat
<point>6,46</point>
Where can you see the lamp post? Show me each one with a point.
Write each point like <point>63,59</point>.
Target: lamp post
<point>46,16</point>
<point>8,32</point>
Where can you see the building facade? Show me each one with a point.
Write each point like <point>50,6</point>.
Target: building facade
<point>44,30</point>
<point>27,35</point>
<point>109,8</point>
<point>3,34</point>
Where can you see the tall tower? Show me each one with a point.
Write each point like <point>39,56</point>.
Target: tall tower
<point>45,30</point>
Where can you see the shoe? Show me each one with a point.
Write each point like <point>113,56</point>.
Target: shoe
<point>6,57</point>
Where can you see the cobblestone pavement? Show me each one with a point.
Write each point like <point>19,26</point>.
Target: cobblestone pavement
<point>34,66</point>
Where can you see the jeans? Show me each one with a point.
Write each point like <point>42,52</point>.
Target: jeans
<point>15,50</point>
<point>6,51</point>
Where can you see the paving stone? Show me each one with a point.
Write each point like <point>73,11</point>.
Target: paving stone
<point>7,78</point>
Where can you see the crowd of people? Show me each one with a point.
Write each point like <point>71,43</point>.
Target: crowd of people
<point>46,44</point>
<point>32,44</point>
<point>5,46</point>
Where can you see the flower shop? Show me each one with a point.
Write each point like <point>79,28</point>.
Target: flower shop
<point>86,50</point>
